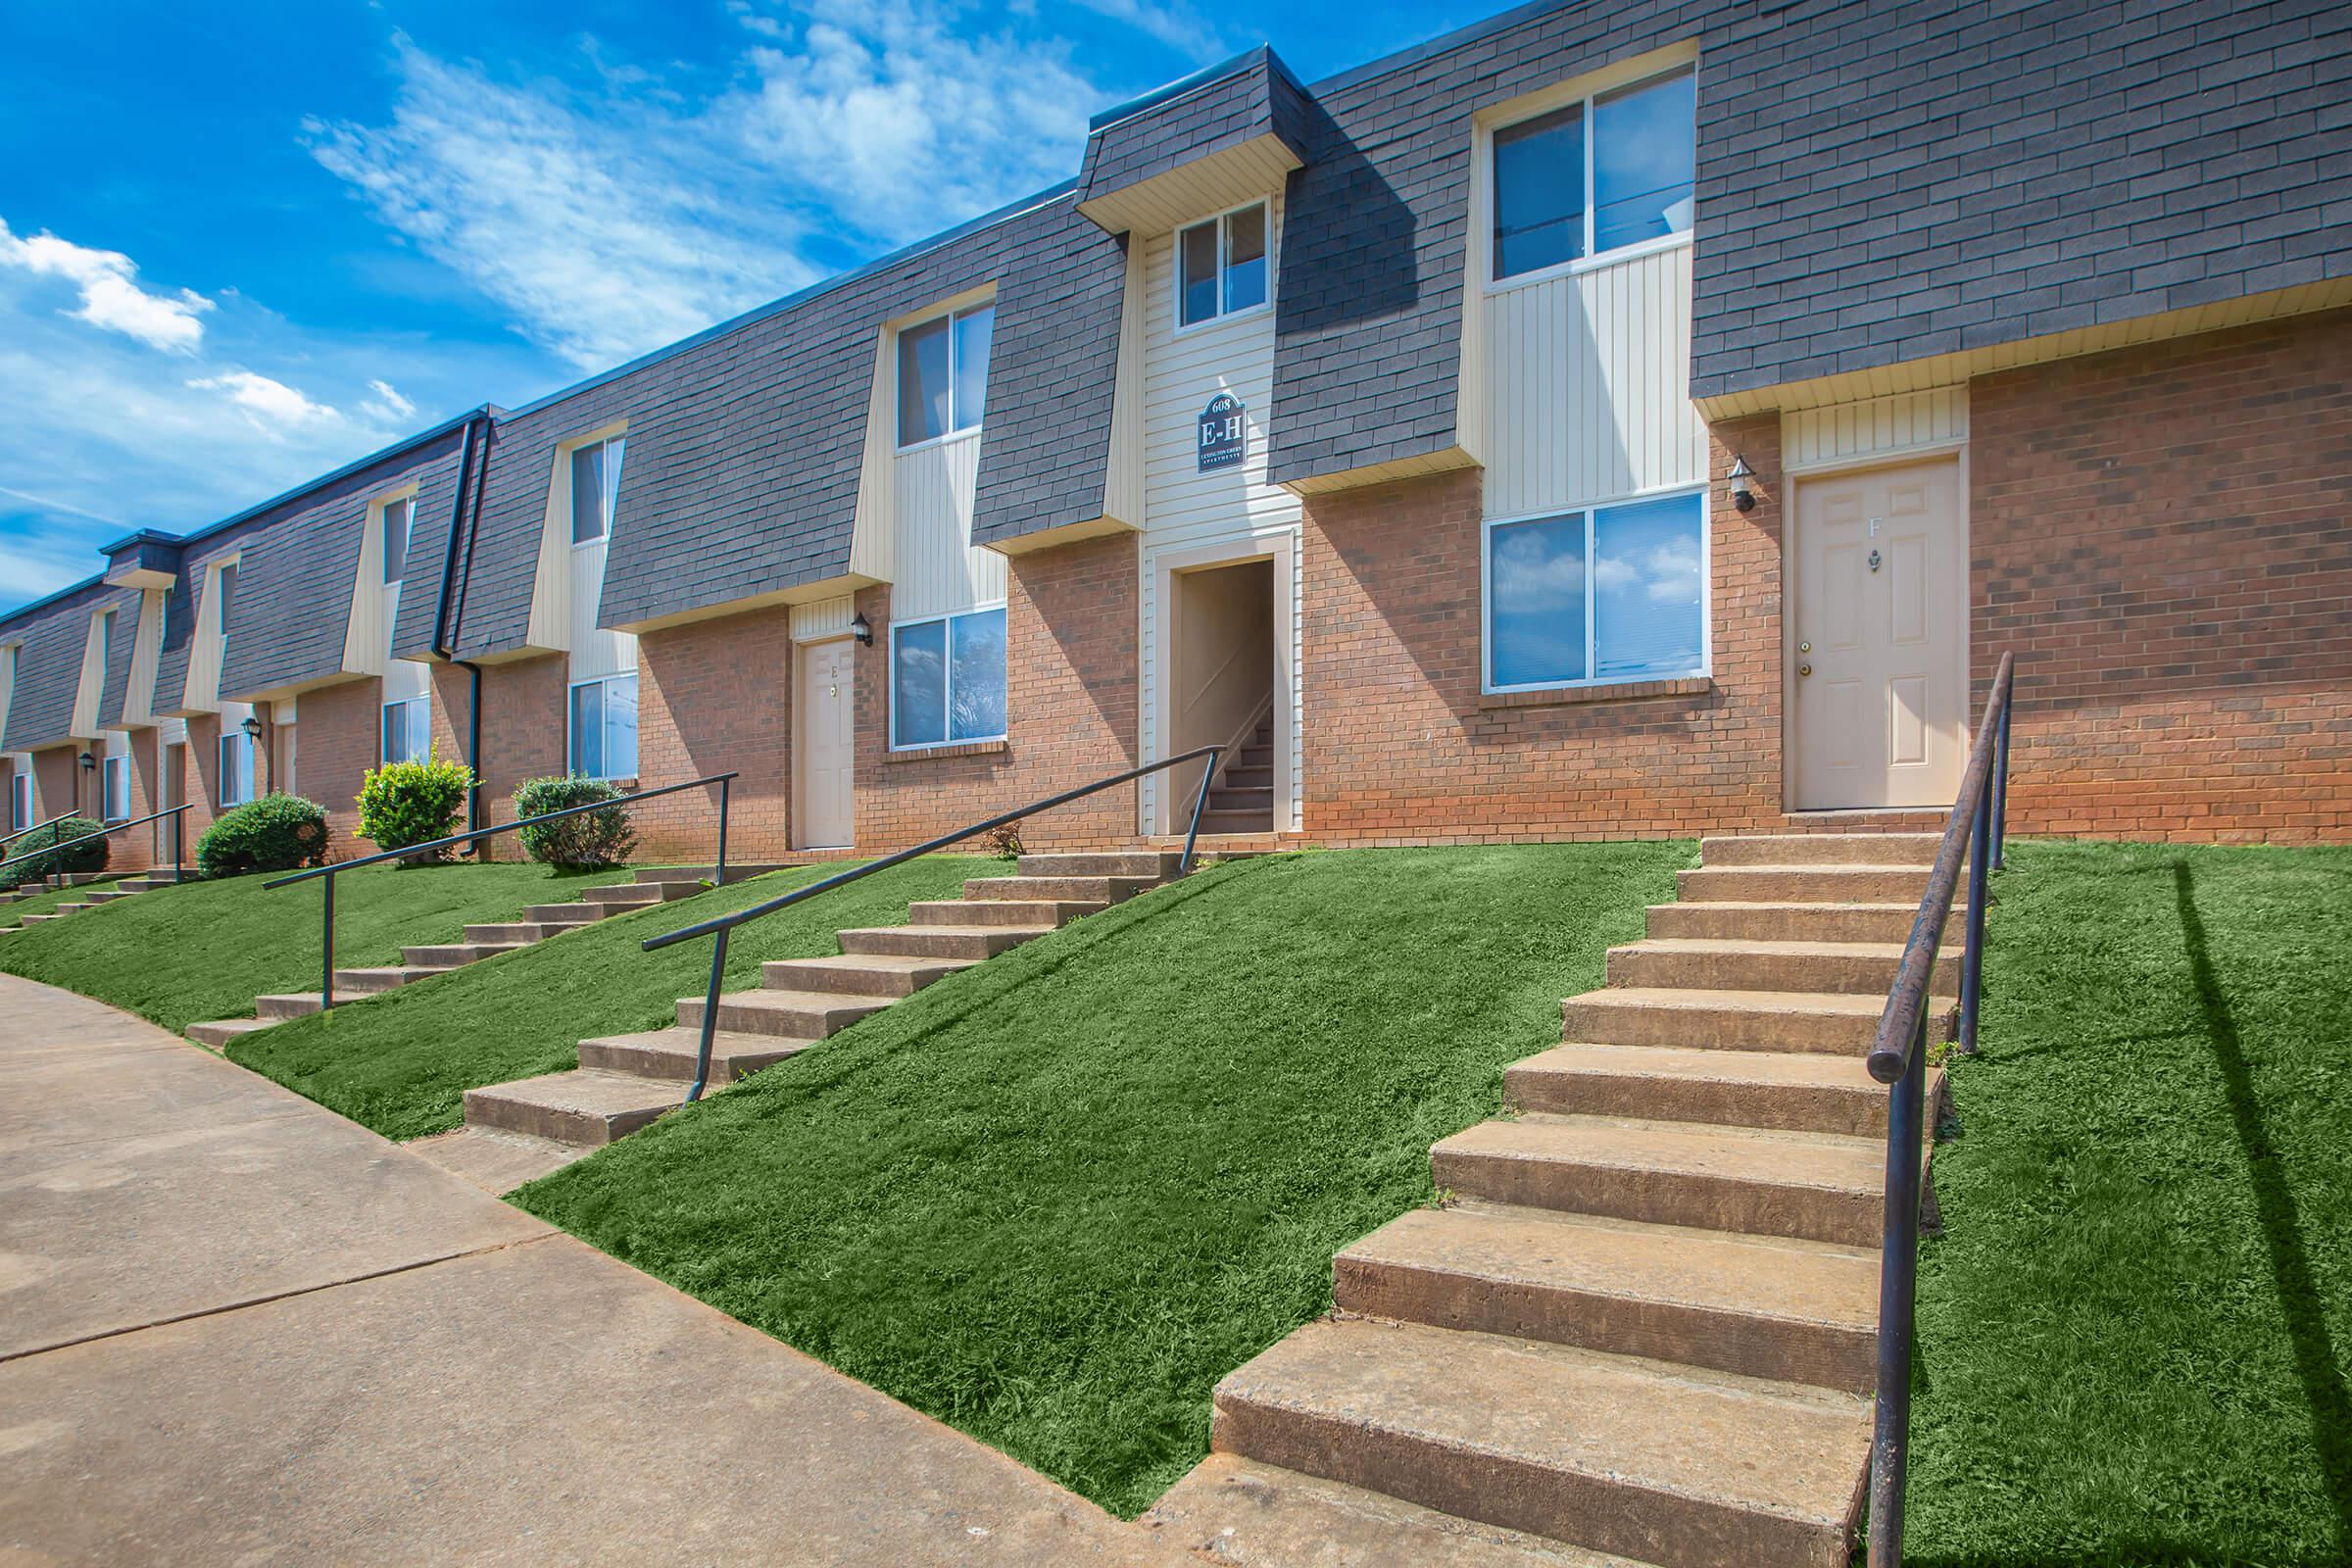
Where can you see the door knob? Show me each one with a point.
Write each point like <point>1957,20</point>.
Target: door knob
<point>1804,670</point>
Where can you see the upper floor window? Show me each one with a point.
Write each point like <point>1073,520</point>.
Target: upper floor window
<point>1221,266</point>
<point>224,589</point>
<point>116,800</point>
<point>409,731</point>
<point>946,679</point>
<point>943,374</point>
<point>595,489</point>
<point>1603,173</point>
<point>105,640</point>
<point>397,516</point>
<point>1608,594</point>
<point>604,727</point>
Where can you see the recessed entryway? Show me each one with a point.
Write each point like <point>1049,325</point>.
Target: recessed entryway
<point>1221,690</point>
<point>824,805</point>
<point>1877,654</point>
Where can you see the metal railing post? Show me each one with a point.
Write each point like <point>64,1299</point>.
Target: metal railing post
<point>326,980</point>
<point>719,880</point>
<point>2000,788</point>
<point>702,1055</point>
<point>179,855</point>
<point>1898,1290</point>
<point>1971,955</point>
<point>1208,771</point>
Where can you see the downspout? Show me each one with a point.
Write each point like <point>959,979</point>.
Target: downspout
<point>445,628</point>
<point>473,705</point>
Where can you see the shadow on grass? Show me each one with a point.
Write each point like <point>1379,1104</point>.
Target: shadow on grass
<point>2274,1205</point>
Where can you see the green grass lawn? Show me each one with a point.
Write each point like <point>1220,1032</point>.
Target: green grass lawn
<point>2134,1336</point>
<point>1053,1199</point>
<point>12,914</point>
<point>206,950</point>
<point>402,1062</point>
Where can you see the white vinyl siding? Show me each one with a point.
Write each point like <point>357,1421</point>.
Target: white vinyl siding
<point>1902,425</point>
<point>937,568</point>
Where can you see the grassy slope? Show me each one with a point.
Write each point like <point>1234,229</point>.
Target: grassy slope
<point>13,915</point>
<point>402,1062</point>
<point>207,950</point>
<point>2134,1337</point>
<point>1054,1199</point>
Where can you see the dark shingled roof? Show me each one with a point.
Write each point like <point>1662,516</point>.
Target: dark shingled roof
<point>51,643</point>
<point>116,689</point>
<point>1248,96</point>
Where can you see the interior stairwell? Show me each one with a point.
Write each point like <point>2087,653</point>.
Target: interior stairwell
<point>1241,798</point>
<point>516,1132</point>
<point>1640,1327</point>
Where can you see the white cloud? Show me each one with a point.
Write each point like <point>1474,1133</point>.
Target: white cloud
<point>273,407</point>
<point>387,404</point>
<point>111,297</point>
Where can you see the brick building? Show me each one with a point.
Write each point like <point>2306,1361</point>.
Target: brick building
<point>1600,421</point>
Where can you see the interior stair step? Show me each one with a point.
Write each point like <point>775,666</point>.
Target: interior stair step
<point>966,943</point>
<point>1262,775</point>
<point>670,1053</point>
<point>1731,920</point>
<point>1836,1022</point>
<point>1768,1308</point>
<point>1159,865</point>
<point>220,1031</point>
<point>1822,848</point>
<point>1664,1464</point>
<point>792,1015</point>
<point>452,955</point>
<point>1813,1185</point>
<point>573,1107</point>
<point>1227,797</point>
<point>1713,963</point>
<point>1235,1511</point>
<point>1042,914</point>
<point>1804,884</point>
<point>888,975</point>
<point>1057,888</point>
<point>1781,1090</point>
<point>1250,821</point>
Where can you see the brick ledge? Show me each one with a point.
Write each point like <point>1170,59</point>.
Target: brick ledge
<point>1618,691</point>
<point>932,754</point>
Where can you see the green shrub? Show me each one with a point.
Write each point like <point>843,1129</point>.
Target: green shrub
<point>412,803</point>
<point>275,833</point>
<point>575,843</point>
<point>48,853</point>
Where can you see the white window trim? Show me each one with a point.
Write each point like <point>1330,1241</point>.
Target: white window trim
<point>109,768</point>
<point>570,709</point>
<point>225,773</point>
<point>567,454</point>
<point>898,367</point>
<point>1178,325</point>
<point>889,674</point>
<point>20,801</point>
<point>1589,510</point>
<point>1590,261</point>
<point>376,526</point>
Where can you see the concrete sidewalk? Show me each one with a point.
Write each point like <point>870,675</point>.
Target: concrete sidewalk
<point>235,1326</point>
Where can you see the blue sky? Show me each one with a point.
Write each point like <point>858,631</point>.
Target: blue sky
<point>240,245</point>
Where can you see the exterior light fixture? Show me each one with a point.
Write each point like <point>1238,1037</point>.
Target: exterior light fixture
<point>87,762</point>
<point>863,629</point>
<point>252,727</point>
<point>1742,477</point>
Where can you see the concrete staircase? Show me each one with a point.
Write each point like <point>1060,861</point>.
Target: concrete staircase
<point>1241,798</point>
<point>651,885</point>
<point>1641,1328</point>
<point>516,1131</point>
<point>121,888</point>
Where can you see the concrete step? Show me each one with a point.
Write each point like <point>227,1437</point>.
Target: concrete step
<point>1851,968</point>
<point>1808,1184</point>
<point>108,895</point>
<point>1836,1022</point>
<point>1668,1465</point>
<point>70,908</point>
<point>1822,848</point>
<point>633,895</point>
<point>573,1107</point>
<point>494,1159</point>
<point>1798,1311</point>
<point>33,919</point>
<point>1238,1512</point>
<point>968,942</point>
<point>1733,921</point>
<point>288,1004</point>
<point>889,975</point>
<point>791,1015</point>
<point>560,915</point>
<point>1806,1091</point>
<point>522,933</point>
<point>670,1053</point>
<point>1056,889</point>
<point>1039,913</point>
<point>1803,884</point>
<point>737,871</point>
<point>220,1032</point>
<point>1159,865</point>
<point>371,982</point>
<point>452,955</point>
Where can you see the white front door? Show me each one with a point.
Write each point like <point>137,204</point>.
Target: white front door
<point>824,722</point>
<point>1878,670</point>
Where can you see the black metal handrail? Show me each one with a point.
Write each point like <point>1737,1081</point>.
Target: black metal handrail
<point>1898,1058</point>
<point>12,837</point>
<point>109,831</point>
<point>326,984</point>
<point>721,926</point>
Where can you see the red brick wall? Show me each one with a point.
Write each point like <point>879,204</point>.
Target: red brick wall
<point>337,734</point>
<point>57,784</point>
<point>713,697</point>
<point>1070,631</point>
<point>2164,535</point>
<point>522,732</point>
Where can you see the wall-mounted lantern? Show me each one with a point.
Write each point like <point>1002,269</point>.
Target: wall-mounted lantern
<point>87,762</point>
<point>863,629</point>
<point>252,727</point>
<point>1742,477</point>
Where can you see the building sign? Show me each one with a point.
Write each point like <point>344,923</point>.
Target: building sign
<point>1224,434</point>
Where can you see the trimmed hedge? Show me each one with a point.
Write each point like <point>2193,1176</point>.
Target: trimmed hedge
<point>589,840</point>
<point>59,857</point>
<point>275,833</point>
<point>412,803</point>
